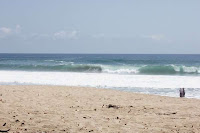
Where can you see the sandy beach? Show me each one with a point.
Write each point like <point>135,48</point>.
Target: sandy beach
<point>79,109</point>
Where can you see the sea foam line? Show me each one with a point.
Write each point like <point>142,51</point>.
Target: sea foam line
<point>99,79</point>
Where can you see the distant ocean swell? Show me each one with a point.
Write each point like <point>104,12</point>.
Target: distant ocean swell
<point>143,69</point>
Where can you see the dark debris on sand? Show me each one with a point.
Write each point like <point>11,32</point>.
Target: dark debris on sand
<point>113,106</point>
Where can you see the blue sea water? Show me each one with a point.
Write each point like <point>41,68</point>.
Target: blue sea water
<point>145,73</point>
<point>124,64</point>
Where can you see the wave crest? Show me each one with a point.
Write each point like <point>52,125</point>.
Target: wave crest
<point>168,70</point>
<point>62,68</point>
<point>113,69</point>
<point>154,70</point>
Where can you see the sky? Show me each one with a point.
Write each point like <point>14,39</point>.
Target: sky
<point>100,26</point>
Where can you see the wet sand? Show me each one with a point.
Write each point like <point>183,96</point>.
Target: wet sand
<point>79,109</point>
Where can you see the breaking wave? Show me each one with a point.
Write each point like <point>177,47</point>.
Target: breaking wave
<point>157,70</point>
<point>59,68</point>
<point>114,69</point>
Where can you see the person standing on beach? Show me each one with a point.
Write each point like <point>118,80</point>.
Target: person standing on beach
<point>182,92</point>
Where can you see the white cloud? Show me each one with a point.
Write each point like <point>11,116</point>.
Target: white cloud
<point>65,35</point>
<point>6,31</point>
<point>156,37</point>
<point>18,29</point>
<point>60,35</point>
<point>73,34</point>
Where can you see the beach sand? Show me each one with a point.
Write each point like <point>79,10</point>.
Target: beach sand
<point>79,109</point>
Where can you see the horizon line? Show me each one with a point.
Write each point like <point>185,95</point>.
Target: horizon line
<point>113,53</point>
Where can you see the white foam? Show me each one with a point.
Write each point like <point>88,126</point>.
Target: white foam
<point>136,70</point>
<point>121,71</point>
<point>191,69</point>
<point>99,79</point>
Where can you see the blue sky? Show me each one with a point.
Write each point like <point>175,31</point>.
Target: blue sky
<point>100,26</point>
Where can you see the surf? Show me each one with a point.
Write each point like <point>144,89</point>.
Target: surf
<point>58,68</point>
<point>150,84</point>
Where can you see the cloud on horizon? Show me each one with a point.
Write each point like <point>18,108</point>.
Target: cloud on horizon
<point>66,35</point>
<point>18,29</point>
<point>72,35</point>
<point>156,37</point>
<point>7,31</point>
<point>4,31</point>
<point>16,32</point>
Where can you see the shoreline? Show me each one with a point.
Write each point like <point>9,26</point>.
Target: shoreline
<point>109,88</point>
<point>37,108</point>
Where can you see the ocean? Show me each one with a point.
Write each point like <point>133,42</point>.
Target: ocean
<point>143,73</point>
